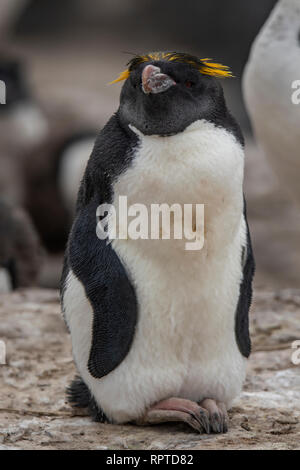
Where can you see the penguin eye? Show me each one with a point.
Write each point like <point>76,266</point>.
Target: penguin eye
<point>189,84</point>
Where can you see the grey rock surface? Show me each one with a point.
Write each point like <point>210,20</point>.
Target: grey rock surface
<point>33,409</point>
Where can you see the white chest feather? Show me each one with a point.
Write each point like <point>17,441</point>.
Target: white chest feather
<point>202,165</point>
<point>185,342</point>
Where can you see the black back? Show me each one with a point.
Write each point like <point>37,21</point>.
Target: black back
<point>95,263</point>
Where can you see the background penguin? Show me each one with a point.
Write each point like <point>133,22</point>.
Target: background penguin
<point>21,126</point>
<point>272,67</point>
<point>17,131</point>
<point>20,250</point>
<point>52,174</point>
<point>23,121</point>
<point>9,9</point>
<point>159,333</point>
<point>43,155</point>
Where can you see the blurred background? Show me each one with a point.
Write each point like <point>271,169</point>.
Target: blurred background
<point>58,57</point>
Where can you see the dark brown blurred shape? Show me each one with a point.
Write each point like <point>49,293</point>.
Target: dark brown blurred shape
<point>43,198</point>
<point>20,249</point>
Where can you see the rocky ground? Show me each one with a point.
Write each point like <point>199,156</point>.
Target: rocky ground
<point>34,413</point>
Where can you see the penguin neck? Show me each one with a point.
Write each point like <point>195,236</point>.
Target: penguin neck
<point>277,45</point>
<point>283,23</point>
<point>289,4</point>
<point>288,11</point>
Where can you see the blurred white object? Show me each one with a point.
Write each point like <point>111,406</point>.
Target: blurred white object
<point>272,68</point>
<point>5,282</point>
<point>28,122</point>
<point>9,10</point>
<point>72,166</point>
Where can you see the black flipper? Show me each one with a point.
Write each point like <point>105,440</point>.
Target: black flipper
<point>245,298</point>
<point>95,263</point>
<point>79,396</point>
<point>109,290</point>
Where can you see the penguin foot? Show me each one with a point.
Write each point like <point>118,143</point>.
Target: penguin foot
<point>79,396</point>
<point>218,417</point>
<point>179,410</point>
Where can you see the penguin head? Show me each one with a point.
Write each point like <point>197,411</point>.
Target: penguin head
<point>166,92</point>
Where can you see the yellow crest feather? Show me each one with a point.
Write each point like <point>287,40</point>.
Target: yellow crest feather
<point>123,76</point>
<point>214,69</point>
<point>204,66</point>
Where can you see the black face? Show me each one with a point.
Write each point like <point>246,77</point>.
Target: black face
<point>11,74</point>
<point>193,96</point>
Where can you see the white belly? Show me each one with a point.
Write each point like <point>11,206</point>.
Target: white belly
<point>184,343</point>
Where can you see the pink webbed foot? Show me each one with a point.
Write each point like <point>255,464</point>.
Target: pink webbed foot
<point>218,417</point>
<point>179,410</point>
